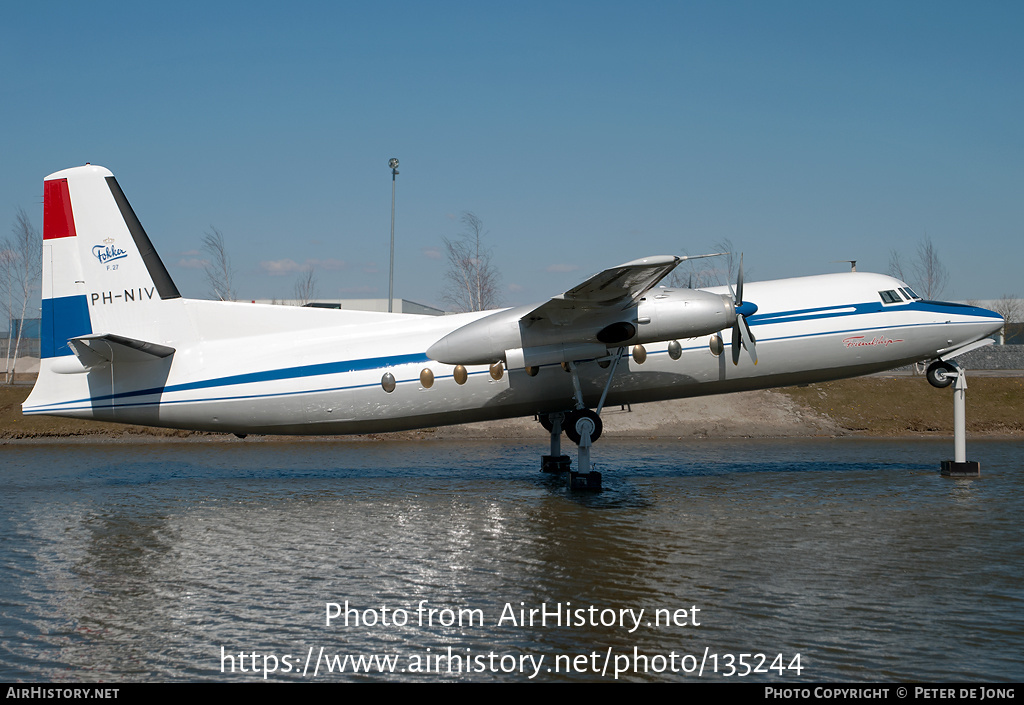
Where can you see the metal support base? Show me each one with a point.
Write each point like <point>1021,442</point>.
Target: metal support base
<point>968,468</point>
<point>588,481</point>
<point>555,463</point>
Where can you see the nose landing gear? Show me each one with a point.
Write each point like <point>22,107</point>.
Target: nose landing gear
<point>941,374</point>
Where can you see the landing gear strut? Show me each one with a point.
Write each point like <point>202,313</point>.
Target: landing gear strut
<point>583,426</point>
<point>556,462</point>
<point>946,373</point>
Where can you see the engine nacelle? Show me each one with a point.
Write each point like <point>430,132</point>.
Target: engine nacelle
<point>667,314</point>
<point>483,341</point>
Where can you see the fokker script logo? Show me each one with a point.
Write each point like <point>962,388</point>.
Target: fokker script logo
<point>107,252</point>
<point>859,341</point>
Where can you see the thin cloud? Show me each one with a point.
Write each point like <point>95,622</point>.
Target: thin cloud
<point>193,263</point>
<point>280,267</point>
<point>561,268</point>
<point>328,264</point>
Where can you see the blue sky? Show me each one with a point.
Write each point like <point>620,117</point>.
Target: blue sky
<point>582,134</point>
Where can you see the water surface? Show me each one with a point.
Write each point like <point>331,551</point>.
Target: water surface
<point>141,561</point>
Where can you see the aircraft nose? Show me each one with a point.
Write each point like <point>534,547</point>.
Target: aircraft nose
<point>986,321</point>
<point>996,327</point>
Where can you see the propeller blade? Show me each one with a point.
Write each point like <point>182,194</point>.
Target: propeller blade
<point>741,333</point>
<point>748,337</point>
<point>739,283</point>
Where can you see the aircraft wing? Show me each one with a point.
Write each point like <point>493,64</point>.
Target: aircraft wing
<point>616,288</point>
<point>581,323</point>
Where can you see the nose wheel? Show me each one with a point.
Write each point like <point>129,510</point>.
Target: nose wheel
<point>941,374</point>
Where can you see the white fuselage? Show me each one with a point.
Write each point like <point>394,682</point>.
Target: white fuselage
<point>249,368</point>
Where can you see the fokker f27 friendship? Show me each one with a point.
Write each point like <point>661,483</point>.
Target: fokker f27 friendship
<point>119,343</point>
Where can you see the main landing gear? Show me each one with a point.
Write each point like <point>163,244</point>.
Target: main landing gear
<point>583,426</point>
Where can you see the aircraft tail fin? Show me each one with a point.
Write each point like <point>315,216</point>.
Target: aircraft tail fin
<point>101,274</point>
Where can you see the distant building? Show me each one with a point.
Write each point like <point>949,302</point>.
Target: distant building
<point>1014,334</point>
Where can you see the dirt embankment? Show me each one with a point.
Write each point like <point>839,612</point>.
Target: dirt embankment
<point>875,406</point>
<point>903,406</point>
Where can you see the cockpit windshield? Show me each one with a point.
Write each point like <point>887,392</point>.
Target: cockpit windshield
<point>898,296</point>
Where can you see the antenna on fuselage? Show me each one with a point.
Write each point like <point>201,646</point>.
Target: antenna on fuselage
<point>853,263</point>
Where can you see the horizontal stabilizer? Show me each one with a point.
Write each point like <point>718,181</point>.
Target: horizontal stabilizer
<point>106,347</point>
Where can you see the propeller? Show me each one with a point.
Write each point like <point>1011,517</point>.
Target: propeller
<point>741,334</point>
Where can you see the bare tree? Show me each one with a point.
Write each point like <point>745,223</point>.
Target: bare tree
<point>896,265</point>
<point>472,277</point>
<point>932,276</point>
<point>7,289</point>
<point>305,286</point>
<point>219,274</point>
<point>1010,308</point>
<point>20,270</point>
<point>929,276</point>
<point>710,271</point>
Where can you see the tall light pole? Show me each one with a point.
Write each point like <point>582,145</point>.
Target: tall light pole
<point>393,163</point>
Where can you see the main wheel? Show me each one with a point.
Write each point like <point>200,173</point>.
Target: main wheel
<point>545,421</point>
<point>573,418</point>
<point>940,374</point>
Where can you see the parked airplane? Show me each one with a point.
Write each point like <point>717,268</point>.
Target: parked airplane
<point>119,343</point>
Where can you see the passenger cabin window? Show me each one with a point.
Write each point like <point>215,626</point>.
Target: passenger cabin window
<point>890,297</point>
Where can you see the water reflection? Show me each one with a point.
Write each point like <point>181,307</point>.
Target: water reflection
<point>140,561</point>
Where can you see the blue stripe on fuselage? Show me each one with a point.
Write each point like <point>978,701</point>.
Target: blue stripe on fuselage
<point>811,314</point>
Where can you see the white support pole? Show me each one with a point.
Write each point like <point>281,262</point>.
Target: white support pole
<point>960,466</point>
<point>960,418</point>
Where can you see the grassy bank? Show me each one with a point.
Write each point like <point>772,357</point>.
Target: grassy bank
<point>15,425</point>
<point>899,406</point>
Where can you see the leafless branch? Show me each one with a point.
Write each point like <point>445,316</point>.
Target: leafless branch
<point>711,271</point>
<point>932,276</point>
<point>896,265</point>
<point>928,276</point>
<point>20,270</point>
<point>1010,308</point>
<point>305,286</point>
<point>472,278</point>
<point>218,270</point>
